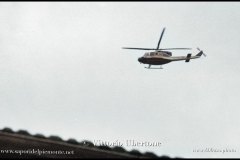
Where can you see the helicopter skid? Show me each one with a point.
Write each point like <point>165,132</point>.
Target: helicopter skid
<point>153,68</point>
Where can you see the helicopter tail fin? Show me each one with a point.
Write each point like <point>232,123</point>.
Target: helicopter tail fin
<point>188,57</point>
<point>200,54</point>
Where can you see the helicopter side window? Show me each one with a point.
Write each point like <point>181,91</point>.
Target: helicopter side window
<point>152,54</point>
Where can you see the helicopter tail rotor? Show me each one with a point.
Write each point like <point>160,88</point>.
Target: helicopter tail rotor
<point>200,53</point>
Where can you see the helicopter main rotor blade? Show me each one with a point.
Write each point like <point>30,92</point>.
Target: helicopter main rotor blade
<point>139,48</point>
<point>173,49</point>
<point>161,49</point>
<point>160,39</point>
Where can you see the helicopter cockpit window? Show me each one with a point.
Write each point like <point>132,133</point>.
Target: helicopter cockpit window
<point>146,54</point>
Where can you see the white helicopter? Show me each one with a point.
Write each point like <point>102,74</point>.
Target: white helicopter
<point>160,56</point>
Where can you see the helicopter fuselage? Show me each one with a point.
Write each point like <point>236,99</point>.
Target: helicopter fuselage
<point>155,58</point>
<point>164,57</point>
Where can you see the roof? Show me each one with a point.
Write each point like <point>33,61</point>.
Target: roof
<point>39,146</point>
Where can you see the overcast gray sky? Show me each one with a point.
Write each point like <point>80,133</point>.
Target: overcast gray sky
<point>63,72</point>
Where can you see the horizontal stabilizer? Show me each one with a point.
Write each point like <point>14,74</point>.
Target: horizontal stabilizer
<point>188,57</point>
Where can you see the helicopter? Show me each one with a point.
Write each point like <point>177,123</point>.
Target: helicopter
<point>161,56</point>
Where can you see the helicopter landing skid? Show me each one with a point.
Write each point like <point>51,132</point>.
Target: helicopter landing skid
<point>153,68</point>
